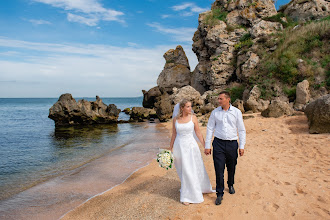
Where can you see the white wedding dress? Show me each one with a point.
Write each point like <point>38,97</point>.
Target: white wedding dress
<point>189,165</point>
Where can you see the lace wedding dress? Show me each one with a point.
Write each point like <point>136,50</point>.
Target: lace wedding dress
<point>189,165</point>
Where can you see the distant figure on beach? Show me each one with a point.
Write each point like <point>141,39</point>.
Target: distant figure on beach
<point>225,122</point>
<point>187,156</point>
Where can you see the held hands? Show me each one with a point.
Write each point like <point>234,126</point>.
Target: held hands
<point>241,152</point>
<point>207,151</point>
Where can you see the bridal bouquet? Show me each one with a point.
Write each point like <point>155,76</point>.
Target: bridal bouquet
<point>165,158</point>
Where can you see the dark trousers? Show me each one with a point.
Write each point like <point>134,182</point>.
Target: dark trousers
<point>224,153</point>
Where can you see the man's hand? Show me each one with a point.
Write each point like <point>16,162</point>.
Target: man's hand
<point>207,151</point>
<point>241,152</point>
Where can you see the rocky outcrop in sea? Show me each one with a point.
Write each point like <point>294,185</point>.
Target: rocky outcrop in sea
<point>66,111</point>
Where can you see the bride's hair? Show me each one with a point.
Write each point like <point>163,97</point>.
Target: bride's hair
<point>182,105</point>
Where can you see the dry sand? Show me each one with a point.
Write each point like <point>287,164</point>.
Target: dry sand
<point>284,174</point>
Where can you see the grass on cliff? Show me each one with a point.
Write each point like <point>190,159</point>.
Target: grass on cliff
<point>283,19</point>
<point>236,93</point>
<point>214,16</point>
<point>244,42</point>
<point>302,53</point>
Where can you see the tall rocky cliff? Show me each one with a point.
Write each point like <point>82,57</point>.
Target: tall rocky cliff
<point>253,51</point>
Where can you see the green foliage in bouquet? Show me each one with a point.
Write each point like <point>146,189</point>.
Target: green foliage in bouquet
<point>165,159</point>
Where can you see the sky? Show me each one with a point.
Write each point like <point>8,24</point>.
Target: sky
<point>109,48</point>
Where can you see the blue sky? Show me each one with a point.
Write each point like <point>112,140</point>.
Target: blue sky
<point>110,48</point>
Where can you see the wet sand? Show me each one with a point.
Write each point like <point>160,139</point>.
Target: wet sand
<point>55,197</point>
<point>284,174</point>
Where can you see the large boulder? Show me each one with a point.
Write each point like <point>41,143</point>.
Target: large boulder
<point>318,114</point>
<point>176,72</point>
<point>140,113</point>
<point>277,109</point>
<point>188,93</point>
<point>164,107</point>
<point>302,95</point>
<point>305,10</point>
<point>254,103</point>
<point>150,97</point>
<point>66,111</point>
<point>239,104</point>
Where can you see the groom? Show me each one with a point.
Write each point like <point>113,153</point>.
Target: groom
<point>225,121</point>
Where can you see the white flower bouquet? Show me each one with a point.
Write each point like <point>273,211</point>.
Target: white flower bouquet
<point>165,158</point>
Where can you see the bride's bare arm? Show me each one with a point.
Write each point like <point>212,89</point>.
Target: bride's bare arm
<point>173,134</point>
<point>197,131</point>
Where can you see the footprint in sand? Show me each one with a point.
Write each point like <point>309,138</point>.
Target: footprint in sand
<point>255,196</point>
<point>275,207</point>
<point>321,199</point>
<point>278,193</point>
<point>287,183</point>
<point>277,182</point>
<point>300,190</point>
<point>271,207</point>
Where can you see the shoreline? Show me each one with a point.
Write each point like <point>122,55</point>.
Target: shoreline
<point>99,194</point>
<point>276,178</point>
<point>55,197</point>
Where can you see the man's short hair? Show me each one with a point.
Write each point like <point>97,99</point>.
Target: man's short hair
<point>227,94</point>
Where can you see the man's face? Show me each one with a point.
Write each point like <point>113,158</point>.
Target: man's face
<point>223,100</point>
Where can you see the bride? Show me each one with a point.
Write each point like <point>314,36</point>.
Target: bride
<point>187,156</point>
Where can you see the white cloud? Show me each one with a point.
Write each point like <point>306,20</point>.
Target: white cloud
<point>165,16</point>
<point>80,19</point>
<point>48,70</point>
<point>90,11</point>
<point>39,22</point>
<point>189,9</point>
<point>178,34</point>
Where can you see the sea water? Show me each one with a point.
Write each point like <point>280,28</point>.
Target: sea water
<point>32,150</point>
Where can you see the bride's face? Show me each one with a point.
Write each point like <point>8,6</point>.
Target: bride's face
<point>187,108</point>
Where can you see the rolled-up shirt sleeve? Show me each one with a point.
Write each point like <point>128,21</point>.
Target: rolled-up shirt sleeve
<point>209,131</point>
<point>241,130</point>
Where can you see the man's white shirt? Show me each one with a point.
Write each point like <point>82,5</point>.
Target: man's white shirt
<point>225,125</point>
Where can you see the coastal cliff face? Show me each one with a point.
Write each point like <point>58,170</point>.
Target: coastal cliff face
<point>66,111</point>
<point>256,53</point>
<point>218,33</point>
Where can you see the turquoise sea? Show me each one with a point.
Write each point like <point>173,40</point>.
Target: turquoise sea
<point>32,150</point>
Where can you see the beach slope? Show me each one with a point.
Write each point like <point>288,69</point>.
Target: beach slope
<point>284,174</point>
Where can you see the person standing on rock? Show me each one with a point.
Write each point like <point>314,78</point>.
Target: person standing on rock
<point>225,122</point>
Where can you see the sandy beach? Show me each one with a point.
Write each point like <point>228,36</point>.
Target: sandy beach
<point>284,174</point>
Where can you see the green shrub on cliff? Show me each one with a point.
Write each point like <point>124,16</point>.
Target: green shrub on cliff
<point>244,41</point>
<point>281,18</point>
<point>214,16</point>
<point>302,53</point>
<point>236,92</point>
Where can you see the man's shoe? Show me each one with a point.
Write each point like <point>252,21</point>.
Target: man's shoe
<point>218,200</point>
<point>231,190</point>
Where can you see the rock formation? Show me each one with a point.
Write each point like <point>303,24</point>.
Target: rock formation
<point>254,103</point>
<point>231,43</point>
<point>277,109</point>
<point>66,111</point>
<point>140,113</point>
<point>302,95</point>
<point>176,72</point>
<point>305,10</point>
<point>214,42</point>
<point>318,114</point>
<point>150,97</point>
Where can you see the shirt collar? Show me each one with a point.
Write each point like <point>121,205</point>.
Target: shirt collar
<point>230,108</point>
